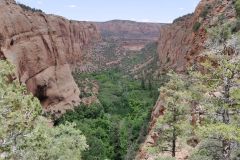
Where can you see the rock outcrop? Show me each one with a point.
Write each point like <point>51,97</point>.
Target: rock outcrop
<point>180,42</point>
<point>44,48</point>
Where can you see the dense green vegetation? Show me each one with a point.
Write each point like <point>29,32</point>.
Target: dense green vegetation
<point>115,127</point>
<point>24,133</point>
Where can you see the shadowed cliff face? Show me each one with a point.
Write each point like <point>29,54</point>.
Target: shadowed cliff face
<point>43,48</point>
<point>180,42</point>
<point>175,42</point>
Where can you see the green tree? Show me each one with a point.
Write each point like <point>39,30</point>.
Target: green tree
<point>220,33</point>
<point>24,133</point>
<point>222,101</point>
<point>175,114</point>
<point>18,110</point>
<point>96,126</point>
<point>44,142</point>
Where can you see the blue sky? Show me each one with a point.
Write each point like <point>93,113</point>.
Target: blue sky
<point>102,10</point>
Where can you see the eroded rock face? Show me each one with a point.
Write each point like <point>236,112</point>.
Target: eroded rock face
<point>179,44</point>
<point>129,30</point>
<point>176,42</point>
<point>130,35</point>
<point>44,48</point>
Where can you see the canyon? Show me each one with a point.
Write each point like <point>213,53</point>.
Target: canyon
<point>47,50</point>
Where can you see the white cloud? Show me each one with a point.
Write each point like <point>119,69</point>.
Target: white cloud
<point>181,9</point>
<point>72,6</point>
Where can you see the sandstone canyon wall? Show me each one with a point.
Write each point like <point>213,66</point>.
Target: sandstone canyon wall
<point>130,35</point>
<point>43,48</point>
<point>125,29</point>
<point>180,43</point>
<point>179,46</point>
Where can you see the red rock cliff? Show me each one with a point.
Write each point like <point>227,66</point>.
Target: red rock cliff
<point>179,43</point>
<point>129,30</point>
<point>43,47</point>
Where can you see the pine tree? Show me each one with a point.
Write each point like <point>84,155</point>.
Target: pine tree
<point>43,142</point>
<point>18,110</point>
<point>24,133</point>
<point>175,114</point>
<point>222,100</point>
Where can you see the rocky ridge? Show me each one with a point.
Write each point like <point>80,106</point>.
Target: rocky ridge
<point>130,35</point>
<point>125,29</point>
